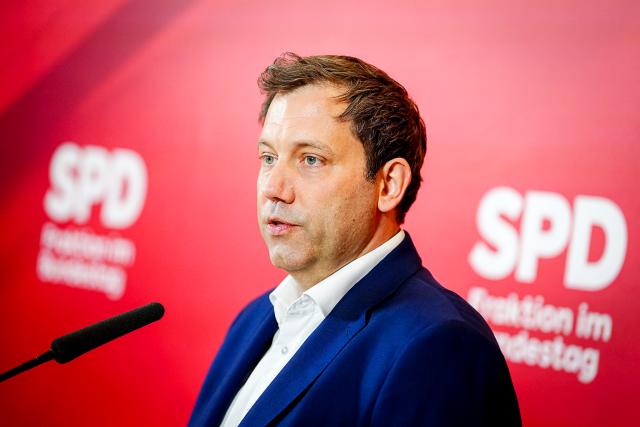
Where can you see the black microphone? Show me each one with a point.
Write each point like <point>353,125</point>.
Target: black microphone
<point>70,346</point>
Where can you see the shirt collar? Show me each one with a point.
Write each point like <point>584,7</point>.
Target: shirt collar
<point>328,292</point>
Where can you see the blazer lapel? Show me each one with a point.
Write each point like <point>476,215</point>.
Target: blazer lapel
<point>340,326</point>
<point>244,356</point>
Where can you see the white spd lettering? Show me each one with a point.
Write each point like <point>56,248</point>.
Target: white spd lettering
<point>82,177</point>
<point>548,226</point>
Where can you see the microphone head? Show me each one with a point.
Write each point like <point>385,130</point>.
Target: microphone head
<point>70,346</point>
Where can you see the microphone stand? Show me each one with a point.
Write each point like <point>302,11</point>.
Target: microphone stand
<point>43,358</point>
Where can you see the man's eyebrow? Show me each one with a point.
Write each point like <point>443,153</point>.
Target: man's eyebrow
<point>303,144</point>
<point>314,144</point>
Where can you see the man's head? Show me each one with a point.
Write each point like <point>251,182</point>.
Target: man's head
<point>341,147</point>
<point>381,114</point>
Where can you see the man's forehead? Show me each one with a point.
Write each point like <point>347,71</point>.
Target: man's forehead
<point>309,116</point>
<point>310,101</point>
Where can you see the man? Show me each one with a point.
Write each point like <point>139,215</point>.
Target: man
<point>358,333</point>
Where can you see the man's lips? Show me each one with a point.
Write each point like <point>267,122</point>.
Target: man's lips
<point>278,226</point>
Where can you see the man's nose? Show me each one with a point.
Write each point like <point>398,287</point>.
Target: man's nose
<point>277,184</point>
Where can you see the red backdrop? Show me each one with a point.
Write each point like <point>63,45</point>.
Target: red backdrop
<point>127,175</point>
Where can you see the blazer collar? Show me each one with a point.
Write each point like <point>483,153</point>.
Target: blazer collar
<point>341,325</point>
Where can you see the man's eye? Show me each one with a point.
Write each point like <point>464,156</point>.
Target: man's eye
<point>311,160</point>
<point>268,159</point>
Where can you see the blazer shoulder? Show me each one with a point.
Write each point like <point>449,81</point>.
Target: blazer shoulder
<point>427,303</point>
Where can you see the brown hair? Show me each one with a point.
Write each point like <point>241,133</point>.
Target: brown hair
<point>383,117</point>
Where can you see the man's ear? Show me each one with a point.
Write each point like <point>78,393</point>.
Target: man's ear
<point>395,177</point>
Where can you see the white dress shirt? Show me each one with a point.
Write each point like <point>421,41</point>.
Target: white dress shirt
<point>298,314</point>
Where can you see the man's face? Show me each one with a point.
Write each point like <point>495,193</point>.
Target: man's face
<point>316,209</point>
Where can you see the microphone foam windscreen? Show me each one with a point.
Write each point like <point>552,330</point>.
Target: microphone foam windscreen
<point>70,346</point>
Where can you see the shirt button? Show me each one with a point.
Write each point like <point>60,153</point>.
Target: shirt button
<point>284,350</point>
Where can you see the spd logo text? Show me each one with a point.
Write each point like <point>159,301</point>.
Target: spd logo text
<point>82,177</point>
<point>548,226</point>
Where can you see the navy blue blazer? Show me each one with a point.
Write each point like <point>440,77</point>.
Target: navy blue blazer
<point>397,350</point>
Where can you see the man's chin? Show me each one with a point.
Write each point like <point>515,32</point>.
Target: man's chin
<point>288,260</point>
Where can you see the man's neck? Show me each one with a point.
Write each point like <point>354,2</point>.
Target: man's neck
<point>309,278</point>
